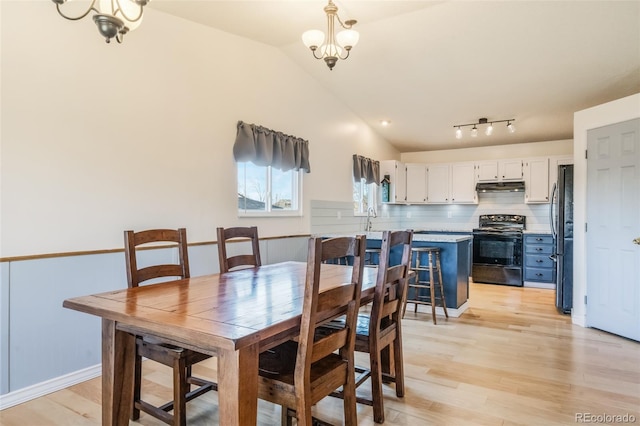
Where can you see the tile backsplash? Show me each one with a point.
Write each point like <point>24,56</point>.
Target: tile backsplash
<point>334,216</point>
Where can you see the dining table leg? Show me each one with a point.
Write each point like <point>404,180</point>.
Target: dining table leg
<point>118,356</point>
<point>238,386</point>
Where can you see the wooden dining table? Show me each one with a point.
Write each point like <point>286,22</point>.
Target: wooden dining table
<point>232,316</point>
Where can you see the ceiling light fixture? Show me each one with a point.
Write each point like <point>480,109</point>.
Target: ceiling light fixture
<point>331,48</point>
<point>114,18</point>
<point>488,131</point>
<point>385,123</point>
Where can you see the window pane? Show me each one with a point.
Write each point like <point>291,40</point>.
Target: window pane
<point>283,190</point>
<point>357,197</point>
<point>252,187</point>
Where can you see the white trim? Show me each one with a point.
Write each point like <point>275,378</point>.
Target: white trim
<point>534,284</point>
<point>39,389</point>
<point>453,312</point>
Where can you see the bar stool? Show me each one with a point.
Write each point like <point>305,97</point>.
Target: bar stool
<point>372,257</point>
<point>428,276</point>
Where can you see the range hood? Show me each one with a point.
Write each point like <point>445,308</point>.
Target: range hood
<point>500,187</point>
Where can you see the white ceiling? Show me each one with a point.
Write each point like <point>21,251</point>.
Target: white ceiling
<point>429,65</point>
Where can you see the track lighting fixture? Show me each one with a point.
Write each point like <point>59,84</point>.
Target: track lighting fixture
<point>488,130</point>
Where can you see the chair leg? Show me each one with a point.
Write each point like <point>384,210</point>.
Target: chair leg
<point>349,393</point>
<point>432,289</point>
<point>303,413</point>
<point>137,383</point>
<point>376,384</point>
<point>444,302</point>
<point>180,388</point>
<point>398,362</point>
<point>285,419</point>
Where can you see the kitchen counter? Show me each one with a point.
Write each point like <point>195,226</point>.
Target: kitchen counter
<point>455,259</point>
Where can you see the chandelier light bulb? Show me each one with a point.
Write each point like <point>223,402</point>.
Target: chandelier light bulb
<point>313,38</point>
<point>511,127</point>
<point>347,38</point>
<point>474,131</point>
<point>458,133</point>
<point>489,130</point>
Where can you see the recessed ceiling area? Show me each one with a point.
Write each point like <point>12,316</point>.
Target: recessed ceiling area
<point>426,66</point>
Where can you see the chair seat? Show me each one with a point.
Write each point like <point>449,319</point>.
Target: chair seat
<point>280,362</point>
<point>362,326</point>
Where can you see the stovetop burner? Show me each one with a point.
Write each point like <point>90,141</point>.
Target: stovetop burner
<point>501,223</point>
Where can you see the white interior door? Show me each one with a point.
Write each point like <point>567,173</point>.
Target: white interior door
<point>613,218</point>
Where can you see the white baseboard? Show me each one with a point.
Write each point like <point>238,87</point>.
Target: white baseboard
<point>453,312</point>
<point>533,284</point>
<point>39,389</point>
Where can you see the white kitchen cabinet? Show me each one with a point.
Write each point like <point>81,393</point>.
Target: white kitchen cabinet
<point>398,180</point>
<point>437,183</point>
<point>487,171</point>
<point>499,170</point>
<point>463,183</point>
<point>510,170</point>
<point>416,183</point>
<point>536,180</point>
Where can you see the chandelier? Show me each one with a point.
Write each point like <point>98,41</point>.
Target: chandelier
<point>114,18</point>
<point>487,131</point>
<point>336,46</point>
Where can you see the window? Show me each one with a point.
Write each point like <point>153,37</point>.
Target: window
<point>364,196</point>
<point>263,190</point>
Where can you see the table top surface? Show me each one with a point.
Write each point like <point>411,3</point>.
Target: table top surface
<point>221,310</point>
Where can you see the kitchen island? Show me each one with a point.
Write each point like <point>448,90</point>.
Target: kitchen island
<point>455,252</point>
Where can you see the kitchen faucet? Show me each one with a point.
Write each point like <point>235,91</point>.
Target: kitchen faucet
<point>371,213</point>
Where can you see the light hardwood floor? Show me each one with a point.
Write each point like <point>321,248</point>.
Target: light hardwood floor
<point>510,359</point>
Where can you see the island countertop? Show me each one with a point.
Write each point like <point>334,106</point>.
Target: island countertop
<point>427,238</point>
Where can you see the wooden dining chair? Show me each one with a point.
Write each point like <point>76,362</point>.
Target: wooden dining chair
<point>299,373</point>
<point>230,262</point>
<point>380,333</point>
<point>150,347</point>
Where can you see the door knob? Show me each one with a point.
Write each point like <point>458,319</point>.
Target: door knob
<point>637,241</point>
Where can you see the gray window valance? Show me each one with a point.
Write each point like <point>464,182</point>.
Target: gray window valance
<point>266,147</point>
<point>366,168</point>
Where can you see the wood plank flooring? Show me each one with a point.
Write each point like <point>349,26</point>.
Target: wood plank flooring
<point>510,359</point>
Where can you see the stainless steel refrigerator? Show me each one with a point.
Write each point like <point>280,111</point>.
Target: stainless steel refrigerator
<point>561,218</point>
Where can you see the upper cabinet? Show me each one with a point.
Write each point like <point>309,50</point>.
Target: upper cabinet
<point>416,183</point>
<point>536,172</point>
<point>438,183</point>
<point>463,183</point>
<point>510,169</point>
<point>499,170</point>
<point>398,180</point>
<point>487,171</point>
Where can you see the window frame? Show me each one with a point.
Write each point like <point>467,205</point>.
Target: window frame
<point>269,211</point>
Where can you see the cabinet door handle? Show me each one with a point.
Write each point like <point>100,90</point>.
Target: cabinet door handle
<point>538,274</point>
<point>538,239</point>
<point>539,260</point>
<point>538,248</point>
<point>637,241</point>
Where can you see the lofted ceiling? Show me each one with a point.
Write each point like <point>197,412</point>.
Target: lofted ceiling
<point>429,65</point>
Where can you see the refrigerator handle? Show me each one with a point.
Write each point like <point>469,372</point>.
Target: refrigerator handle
<point>552,219</point>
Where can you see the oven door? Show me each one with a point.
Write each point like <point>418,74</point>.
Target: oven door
<point>497,249</point>
<point>497,258</point>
